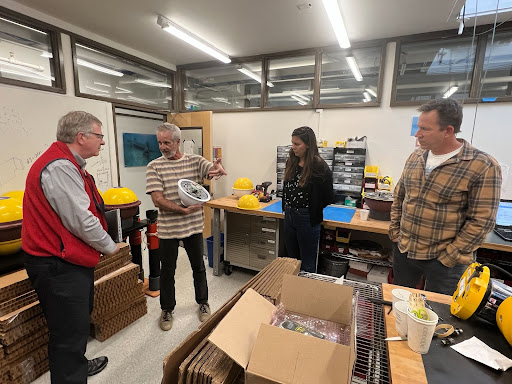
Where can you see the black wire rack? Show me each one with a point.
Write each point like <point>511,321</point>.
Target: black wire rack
<point>371,366</point>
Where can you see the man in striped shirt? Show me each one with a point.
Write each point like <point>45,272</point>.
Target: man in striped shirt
<point>178,223</point>
<point>445,202</point>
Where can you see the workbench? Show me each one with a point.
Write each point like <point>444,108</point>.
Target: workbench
<point>405,365</point>
<point>229,203</point>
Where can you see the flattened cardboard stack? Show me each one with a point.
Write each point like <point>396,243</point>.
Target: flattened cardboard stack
<point>196,360</point>
<point>23,331</point>
<point>118,296</point>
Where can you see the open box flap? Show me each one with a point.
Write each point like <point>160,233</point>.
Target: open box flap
<point>237,332</point>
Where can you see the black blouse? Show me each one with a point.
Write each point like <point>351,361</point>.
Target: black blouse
<point>295,196</point>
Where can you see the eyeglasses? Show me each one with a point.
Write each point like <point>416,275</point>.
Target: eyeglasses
<point>98,135</point>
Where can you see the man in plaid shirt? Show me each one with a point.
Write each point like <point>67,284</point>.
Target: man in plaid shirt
<point>445,202</point>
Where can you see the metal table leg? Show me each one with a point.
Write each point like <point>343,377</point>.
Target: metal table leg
<point>218,266</point>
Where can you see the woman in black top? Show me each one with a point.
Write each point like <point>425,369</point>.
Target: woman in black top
<point>307,190</point>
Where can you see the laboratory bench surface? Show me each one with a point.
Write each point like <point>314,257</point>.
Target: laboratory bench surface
<point>229,203</point>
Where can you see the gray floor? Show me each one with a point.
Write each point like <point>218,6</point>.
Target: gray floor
<point>136,353</point>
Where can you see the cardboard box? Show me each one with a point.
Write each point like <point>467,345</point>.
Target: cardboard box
<point>272,355</point>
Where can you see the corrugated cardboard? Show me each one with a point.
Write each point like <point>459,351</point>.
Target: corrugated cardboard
<point>274,355</point>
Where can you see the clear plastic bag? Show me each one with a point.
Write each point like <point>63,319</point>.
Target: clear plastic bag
<point>312,326</point>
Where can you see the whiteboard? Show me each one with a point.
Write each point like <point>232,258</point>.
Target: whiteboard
<point>28,126</point>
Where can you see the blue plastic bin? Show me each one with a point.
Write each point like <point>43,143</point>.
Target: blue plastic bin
<point>209,249</point>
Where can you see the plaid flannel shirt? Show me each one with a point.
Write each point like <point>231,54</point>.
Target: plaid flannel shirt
<point>448,214</point>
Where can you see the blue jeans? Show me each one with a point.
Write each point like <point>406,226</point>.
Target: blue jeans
<point>438,278</point>
<point>301,239</point>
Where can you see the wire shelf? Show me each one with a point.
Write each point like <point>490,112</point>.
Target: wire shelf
<point>371,366</point>
<point>349,256</point>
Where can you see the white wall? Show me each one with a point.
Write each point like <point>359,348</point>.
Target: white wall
<point>249,140</point>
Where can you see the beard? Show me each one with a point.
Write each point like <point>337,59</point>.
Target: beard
<point>169,154</point>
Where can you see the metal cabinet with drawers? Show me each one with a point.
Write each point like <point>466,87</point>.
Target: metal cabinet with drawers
<point>252,241</point>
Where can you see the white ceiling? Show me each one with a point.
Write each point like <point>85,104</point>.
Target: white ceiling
<point>246,27</point>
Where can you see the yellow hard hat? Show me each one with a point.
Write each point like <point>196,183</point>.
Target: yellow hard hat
<point>15,195</point>
<point>243,183</point>
<point>248,202</point>
<point>10,210</point>
<point>504,319</point>
<point>10,247</point>
<point>119,196</point>
<point>11,217</point>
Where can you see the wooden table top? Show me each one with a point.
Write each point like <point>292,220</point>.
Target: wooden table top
<point>228,203</point>
<point>405,366</point>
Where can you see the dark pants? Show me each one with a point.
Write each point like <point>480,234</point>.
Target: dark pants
<point>438,278</point>
<point>301,238</point>
<point>169,256</point>
<point>66,294</point>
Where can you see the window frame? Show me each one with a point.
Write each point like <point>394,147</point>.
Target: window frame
<point>56,44</point>
<point>482,32</point>
<point>265,58</point>
<point>369,44</point>
<point>76,39</point>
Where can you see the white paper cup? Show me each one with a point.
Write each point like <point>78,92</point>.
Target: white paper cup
<point>420,332</point>
<point>364,213</point>
<point>400,295</point>
<point>400,312</point>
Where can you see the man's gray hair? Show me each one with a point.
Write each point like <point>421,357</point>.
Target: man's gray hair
<point>173,129</point>
<point>74,122</point>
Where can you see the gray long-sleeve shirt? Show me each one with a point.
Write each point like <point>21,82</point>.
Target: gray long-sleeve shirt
<point>64,189</point>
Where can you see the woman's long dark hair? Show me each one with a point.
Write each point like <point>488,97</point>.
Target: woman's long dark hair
<point>307,135</point>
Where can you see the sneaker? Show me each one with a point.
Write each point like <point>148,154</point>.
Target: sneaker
<point>204,312</point>
<point>96,365</point>
<point>166,320</point>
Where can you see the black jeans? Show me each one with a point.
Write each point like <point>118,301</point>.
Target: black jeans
<point>301,238</point>
<point>438,278</point>
<point>66,294</point>
<point>169,255</point>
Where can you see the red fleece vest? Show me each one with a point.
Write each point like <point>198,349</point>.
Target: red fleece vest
<point>42,232</point>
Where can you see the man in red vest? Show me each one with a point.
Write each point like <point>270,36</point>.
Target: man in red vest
<point>63,234</point>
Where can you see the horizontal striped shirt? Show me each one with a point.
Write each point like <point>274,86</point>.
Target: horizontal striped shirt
<point>447,215</point>
<point>162,175</point>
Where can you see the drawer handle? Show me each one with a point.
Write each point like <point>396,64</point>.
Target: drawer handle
<point>268,230</point>
<point>271,241</point>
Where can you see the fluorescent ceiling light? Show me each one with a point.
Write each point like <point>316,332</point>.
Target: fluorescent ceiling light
<point>371,91</point>
<point>96,89</point>
<point>298,100</point>
<point>122,90</point>
<point>252,75</point>
<point>354,68</point>
<point>142,101</point>
<point>38,76</point>
<point>304,98</point>
<point>12,62</point>
<point>221,100</point>
<point>24,26</point>
<point>102,84</point>
<point>153,83</point>
<point>98,68</point>
<point>450,92</point>
<point>367,96</point>
<point>334,13</point>
<point>191,39</point>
